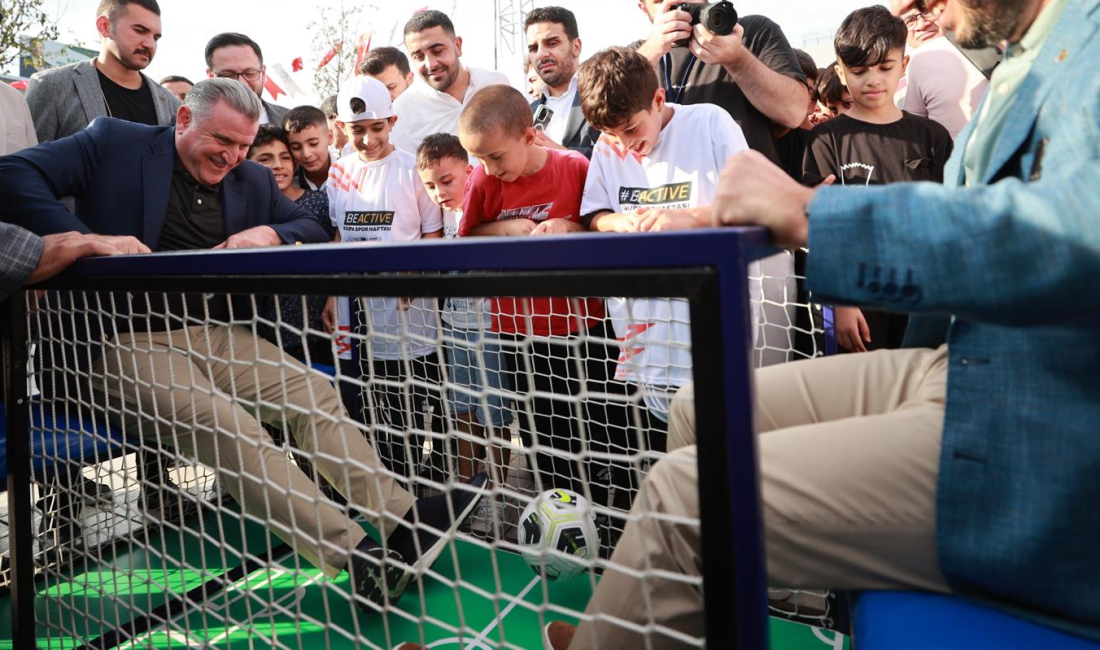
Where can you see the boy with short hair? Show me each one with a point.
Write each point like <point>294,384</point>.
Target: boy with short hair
<point>309,137</point>
<point>833,98</point>
<point>655,168</point>
<point>524,189</point>
<point>873,144</point>
<point>375,194</point>
<point>390,66</point>
<point>478,406</point>
<point>271,148</point>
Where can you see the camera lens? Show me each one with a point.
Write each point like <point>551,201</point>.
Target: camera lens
<point>719,18</point>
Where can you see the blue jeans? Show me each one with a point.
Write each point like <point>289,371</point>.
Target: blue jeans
<point>473,365</point>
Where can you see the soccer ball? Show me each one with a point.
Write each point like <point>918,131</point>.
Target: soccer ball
<point>557,534</point>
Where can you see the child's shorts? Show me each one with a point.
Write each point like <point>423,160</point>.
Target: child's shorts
<point>474,372</point>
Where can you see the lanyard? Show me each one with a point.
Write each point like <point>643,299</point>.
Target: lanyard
<point>666,63</point>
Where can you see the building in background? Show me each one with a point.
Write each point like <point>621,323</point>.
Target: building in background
<point>41,55</point>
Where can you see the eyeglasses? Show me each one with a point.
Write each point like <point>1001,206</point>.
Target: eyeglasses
<point>251,74</point>
<point>912,20</point>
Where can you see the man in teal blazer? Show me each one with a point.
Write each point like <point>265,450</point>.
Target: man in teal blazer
<point>970,462</point>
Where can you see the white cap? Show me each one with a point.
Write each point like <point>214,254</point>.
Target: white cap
<point>363,98</point>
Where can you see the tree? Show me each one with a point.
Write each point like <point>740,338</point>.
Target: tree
<point>23,25</point>
<point>335,37</point>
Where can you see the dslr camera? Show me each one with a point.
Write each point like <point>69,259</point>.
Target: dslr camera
<point>718,18</point>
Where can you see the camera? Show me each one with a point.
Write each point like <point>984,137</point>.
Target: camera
<point>718,18</point>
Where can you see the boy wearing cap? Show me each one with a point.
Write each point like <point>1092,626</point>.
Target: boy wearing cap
<point>375,194</point>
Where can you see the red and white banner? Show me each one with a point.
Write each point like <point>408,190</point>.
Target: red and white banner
<point>362,48</point>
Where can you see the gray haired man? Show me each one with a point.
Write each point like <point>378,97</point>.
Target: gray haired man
<point>197,191</point>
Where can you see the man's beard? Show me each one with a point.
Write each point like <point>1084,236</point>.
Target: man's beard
<point>562,75</point>
<point>446,82</point>
<point>132,62</point>
<point>988,22</point>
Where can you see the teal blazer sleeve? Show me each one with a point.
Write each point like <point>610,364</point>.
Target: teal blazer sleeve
<point>1017,245</point>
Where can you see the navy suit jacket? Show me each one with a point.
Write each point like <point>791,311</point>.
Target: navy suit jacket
<point>120,174</point>
<point>1007,272</point>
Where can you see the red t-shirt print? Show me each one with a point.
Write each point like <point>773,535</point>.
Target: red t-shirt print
<point>553,192</point>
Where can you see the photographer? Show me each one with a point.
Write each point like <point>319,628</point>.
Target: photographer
<point>751,72</point>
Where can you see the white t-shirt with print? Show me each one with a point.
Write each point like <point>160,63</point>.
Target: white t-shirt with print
<point>462,313</point>
<point>384,201</point>
<point>680,173</point>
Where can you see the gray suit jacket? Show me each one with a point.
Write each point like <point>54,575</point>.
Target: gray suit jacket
<point>275,113</point>
<point>20,251</point>
<point>65,100</point>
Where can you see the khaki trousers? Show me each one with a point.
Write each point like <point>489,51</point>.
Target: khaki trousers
<point>199,391</point>
<point>849,455</point>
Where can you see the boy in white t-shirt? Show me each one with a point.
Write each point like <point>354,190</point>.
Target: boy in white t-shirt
<point>376,195</point>
<point>655,168</point>
<point>478,384</point>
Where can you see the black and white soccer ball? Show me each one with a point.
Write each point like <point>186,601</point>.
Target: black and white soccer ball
<point>557,534</point>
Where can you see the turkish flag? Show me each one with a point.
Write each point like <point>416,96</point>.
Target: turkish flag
<point>329,56</point>
<point>296,65</point>
<point>19,85</point>
<point>273,88</point>
<point>362,48</point>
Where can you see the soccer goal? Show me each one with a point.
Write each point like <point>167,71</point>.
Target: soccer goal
<point>550,366</point>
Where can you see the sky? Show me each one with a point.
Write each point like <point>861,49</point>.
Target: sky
<point>281,27</point>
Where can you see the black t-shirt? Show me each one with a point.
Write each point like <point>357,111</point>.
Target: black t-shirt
<point>130,105</point>
<point>193,221</point>
<point>690,81</point>
<point>792,150</point>
<point>861,153</point>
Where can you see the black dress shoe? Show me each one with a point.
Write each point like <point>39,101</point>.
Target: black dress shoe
<point>379,576</point>
<point>428,525</point>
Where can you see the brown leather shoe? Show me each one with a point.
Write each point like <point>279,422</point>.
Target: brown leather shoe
<point>557,635</point>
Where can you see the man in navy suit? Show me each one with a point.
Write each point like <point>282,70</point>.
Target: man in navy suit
<point>178,369</point>
<point>968,462</point>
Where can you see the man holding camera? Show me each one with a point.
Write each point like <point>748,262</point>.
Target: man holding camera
<point>751,71</point>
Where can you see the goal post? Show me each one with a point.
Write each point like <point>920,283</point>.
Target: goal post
<point>707,269</point>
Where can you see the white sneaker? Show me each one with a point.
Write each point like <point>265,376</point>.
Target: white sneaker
<point>801,603</point>
<point>481,521</point>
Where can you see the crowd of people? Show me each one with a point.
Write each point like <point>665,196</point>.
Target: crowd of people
<point>874,472</point>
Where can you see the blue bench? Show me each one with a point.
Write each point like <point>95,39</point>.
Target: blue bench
<point>900,620</point>
<point>79,442</point>
<point>73,442</point>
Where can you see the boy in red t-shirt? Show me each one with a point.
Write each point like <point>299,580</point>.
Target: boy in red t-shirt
<point>522,189</point>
